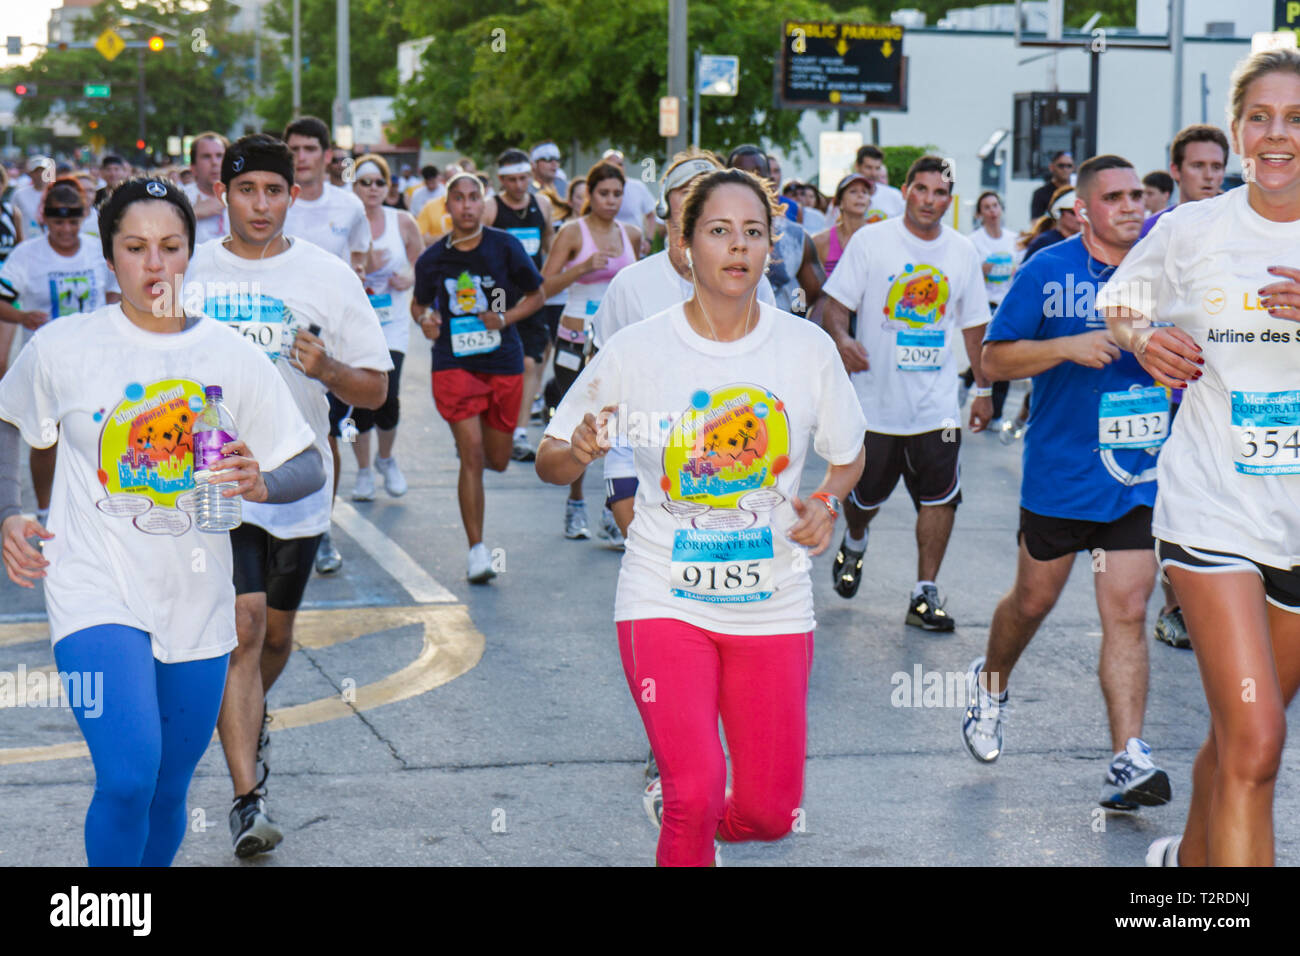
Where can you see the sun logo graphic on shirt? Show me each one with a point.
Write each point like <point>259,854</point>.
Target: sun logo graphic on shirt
<point>918,297</point>
<point>723,456</point>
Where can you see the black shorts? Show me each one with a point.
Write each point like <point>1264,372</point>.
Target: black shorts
<point>535,336</point>
<point>618,489</point>
<point>277,566</point>
<point>1281,586</point>
<point>928,463</point>
<point>567,364</point>
<point>385,416</point>
<point>1047,538</point>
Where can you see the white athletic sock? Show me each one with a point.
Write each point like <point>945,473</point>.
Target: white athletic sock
<point>916,591</point>
<point>384,460</point>
<point>857,544</point>
<point>521,432</point>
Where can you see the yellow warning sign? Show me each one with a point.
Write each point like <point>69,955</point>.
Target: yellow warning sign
<point>109,44</point>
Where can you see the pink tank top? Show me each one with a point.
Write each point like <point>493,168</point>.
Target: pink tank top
<point>833,251</point>
<point>588,249</point>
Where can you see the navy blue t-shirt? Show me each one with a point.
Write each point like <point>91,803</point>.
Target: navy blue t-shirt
<point>1066,473</point>
<point>464,283</point>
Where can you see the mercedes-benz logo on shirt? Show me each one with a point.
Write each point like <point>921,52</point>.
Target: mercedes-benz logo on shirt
<point>156,189</point>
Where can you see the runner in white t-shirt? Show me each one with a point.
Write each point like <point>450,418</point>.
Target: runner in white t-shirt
<point>335,220</point>
<point>919,294</point>
<point>886,201</point>
<point>998,259</point>
<point>311,319</point>
<point>721,398</point>
<point>397,244</point>
<point>128,614</point>
<point>1209,302</point>
<point>49,276</point>
<point>205,161</point>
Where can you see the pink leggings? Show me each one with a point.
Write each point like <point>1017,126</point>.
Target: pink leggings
<point>683,678</point>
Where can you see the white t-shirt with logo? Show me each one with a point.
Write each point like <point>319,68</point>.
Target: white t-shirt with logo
<point>886,203</point>
<point>336,222</point>
<point>1228,478</point>
<point>211,227</point>
<point>645,288</point>
<point>267,301</point>
<point>913,298</point>
<point>55,284</point>
<point>1000,254</point>
<point>121,403</point>
<point>720,432</point>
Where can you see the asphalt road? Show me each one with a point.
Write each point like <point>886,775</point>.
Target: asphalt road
<point>493,726</point>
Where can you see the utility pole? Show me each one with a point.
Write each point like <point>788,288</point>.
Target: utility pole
<point>343,86</point>
<point>677,68</point>
<point>1176,47</point>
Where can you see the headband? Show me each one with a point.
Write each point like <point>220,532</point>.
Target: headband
<point>63,211</point>
<point>371,165</point>
<point>546,151</point>
<point>238,161</point>
<point>465,175</point>
<point>514,169</point>
<point>1065,202</point>
<point>683,173</point>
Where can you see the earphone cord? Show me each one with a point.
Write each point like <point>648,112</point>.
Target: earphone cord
<point>748,312</point>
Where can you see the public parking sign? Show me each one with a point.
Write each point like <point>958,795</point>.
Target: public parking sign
<point>856,66</point>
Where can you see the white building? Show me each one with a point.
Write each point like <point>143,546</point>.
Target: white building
<point>961,85</point>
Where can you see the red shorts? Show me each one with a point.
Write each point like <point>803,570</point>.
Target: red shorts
<point>459,395</point>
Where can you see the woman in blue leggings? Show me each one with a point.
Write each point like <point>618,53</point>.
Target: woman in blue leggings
<point>140,602</point>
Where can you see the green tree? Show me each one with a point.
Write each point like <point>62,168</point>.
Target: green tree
<point>1114,13</point>
<point>589,71</point>
<point>196,82</point>
<point>375,30</point>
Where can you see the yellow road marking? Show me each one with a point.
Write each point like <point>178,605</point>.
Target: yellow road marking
<point>452,646</point>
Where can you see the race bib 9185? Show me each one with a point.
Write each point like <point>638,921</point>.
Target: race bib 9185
<point>1266,432</point>
<point>722,567</point>
<point>920,350</point>
<point>469,336</point>
<point>1138,418</point>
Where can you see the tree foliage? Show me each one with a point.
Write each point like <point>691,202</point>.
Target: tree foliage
<point>375,31</point>
<point>1114,13</point>
<point>197,82</point>
<point>588,71</point>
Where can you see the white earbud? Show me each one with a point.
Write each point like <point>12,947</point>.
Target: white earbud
<point>690,263</point>
<point>767,261</point>
<point>1083,214</point>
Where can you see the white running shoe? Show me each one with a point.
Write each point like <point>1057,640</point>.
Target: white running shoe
<point>575,521</point>
<point>981,725</point>
<point>480,565</point>
<point>328,559</point>
<point>1133,779</point>
<point>653,801</point>
<point>1164,851</point>
<point>364,490</point>
<point>394,480</point>
<point>608,530</point>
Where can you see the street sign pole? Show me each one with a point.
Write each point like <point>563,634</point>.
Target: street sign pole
<point>139,55</point>
<point>677,67</point>
<point>695,106</point>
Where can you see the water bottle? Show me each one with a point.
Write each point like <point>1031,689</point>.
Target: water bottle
<point>213,428</point>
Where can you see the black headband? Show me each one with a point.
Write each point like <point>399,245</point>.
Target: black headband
<point>238,161</point>
<point>64,210</point>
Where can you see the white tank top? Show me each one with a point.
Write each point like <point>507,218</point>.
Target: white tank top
<point>392,307</point>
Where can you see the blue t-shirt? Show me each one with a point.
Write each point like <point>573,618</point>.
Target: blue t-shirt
<point>464,283</point>
<point>791,208</point>
<point>1065,473</point>
<point>1151,220</point>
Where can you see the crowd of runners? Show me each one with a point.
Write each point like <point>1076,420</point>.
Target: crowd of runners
<point>869,332</point>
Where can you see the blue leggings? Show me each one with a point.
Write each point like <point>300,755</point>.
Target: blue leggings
<point>147,730</point>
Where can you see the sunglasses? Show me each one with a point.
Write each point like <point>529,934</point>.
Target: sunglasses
<point>372,182</point>
<point>64,212</point>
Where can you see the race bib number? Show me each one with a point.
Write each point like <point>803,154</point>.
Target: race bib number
<point>1266,432</point>
<point>530,237</point>
<point>722,567</point>
<point>262,320</point>
<point>1133,419</point>
<point>469,336</point>
<point>383,306</point>
<point>1001,265</point>
<point>921,350</point>
<point>592,306</point>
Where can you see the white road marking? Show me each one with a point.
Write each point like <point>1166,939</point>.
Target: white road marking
<point>391,557</point>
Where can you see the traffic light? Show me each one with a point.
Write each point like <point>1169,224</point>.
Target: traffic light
<point>25,89</point>
<point>156,43</point>
<point>139,144</point>
<point>94,124</point>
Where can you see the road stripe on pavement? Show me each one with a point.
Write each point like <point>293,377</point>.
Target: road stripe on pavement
<point>391,557</point>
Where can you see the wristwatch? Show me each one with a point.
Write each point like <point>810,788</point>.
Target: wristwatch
<point>831,502</point>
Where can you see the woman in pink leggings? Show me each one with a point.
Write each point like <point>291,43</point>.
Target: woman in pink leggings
<point>720,397</point>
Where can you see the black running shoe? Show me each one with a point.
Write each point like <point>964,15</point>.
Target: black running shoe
<point>252,831</point>
<point>846,572</point>
<point>926,611</point>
